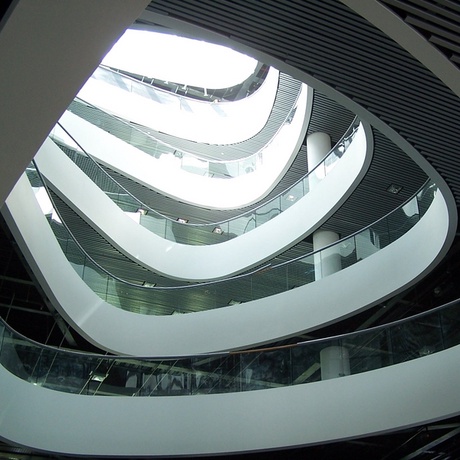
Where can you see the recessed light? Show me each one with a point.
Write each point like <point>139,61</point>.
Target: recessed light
<point>234,302</point>
<point>148,285</point>
<point>395,189</point>
<point>291,198</point>
<point>97,376</point>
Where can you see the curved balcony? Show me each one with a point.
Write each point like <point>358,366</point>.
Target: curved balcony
<point>191,177</point>
<point>305,384</point>
<point>183,232</point>
<point>183,117</point>
<point>271,308</point>
<point>167,257</point>
<point>231,93</point>
<point>167,163</point>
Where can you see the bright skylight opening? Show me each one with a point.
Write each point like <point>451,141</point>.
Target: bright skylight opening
<point>179,60</point>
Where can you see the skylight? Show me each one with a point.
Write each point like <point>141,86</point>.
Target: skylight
<point>195,62</point>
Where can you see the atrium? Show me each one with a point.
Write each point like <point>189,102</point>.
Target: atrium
<point>208,267</point>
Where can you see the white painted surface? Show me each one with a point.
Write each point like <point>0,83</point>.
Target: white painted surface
<point>373,402</point>
<point>199,121</point>
<point>265,320</point>
<point>318,145</point>
<point>35,63</point>
<point>335,362</point>
<point>329,260</point>
<point>410,39</point>
<point>166,176</point>
<point>185,261</point>
<point>170,57</point>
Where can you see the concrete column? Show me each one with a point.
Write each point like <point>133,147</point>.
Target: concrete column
<point>335,362</point>
<point>329,260</point>
<point>318,146</point>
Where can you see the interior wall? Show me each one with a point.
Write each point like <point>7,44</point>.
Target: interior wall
<point>238,326</point>
<point>386,399</point>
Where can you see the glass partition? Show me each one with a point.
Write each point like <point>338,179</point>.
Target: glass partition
<point>148,293</point>
<point>234,93</point>
<point>144,139</point>
<point>334,357</point>
<point>183,232</point>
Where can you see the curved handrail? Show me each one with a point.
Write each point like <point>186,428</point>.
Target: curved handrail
<point>244,165</point>
<point>262,282</point>
<point>253,82</point>
<point>304,362</point>
<point>226,229</point>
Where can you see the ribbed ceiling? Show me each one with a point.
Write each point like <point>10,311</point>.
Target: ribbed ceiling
<point>437,21</point>
<point>327,116</point>
<point>286,96</point>
<point>401,95</point>
<point>329,41</point>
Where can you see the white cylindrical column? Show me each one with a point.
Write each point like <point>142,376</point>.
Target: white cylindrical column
<point>318,146</point>
<point>329,260</point>
<point>335,362</point>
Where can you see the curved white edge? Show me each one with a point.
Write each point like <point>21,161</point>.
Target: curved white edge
<point>364,404</point>
<point>186,118</point>
<point>165,174</point>
<point>181,261</point>
<point>39,62</point>
<point>410,39</point>
<point>397,31</point>
<point>196,63</point>
<point>305,308</point>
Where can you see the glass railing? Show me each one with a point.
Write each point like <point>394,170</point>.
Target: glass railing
<point>144,140</point>
<point>334,357</point>
<point>233,93</point>
<point>181,231</point>
<point>148,293</point>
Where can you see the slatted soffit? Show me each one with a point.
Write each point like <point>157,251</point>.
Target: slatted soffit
<point>437,21</point>
<point>329,41</point>
<point>286,96</point>
<point>327,116</point>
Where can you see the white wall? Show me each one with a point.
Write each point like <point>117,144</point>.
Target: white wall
<point>265,320</point>
<point>391,398</point>
<point>36,63</point>
<point>166,175</point>
<point>184,262</point>
<point>212,123</point>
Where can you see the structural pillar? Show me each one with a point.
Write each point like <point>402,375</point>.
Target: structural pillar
<point>327,261</point>
<point>335,362</point>
<point>318,146</point>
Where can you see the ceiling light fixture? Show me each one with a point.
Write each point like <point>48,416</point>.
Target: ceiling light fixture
<point>96,376</point>
<point>234,302</point>
<point>148,285</point>
<point>182,221</point>
<point>395,189</point>
<point>218,231</point>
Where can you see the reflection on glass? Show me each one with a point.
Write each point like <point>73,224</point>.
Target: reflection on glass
<point>334,357</point>
<point>189,233</point>
<point>163,296</point>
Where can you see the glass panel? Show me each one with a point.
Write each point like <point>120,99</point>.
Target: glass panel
<point>367,351</point>
<point>416,338</point>
<point>306,363</point>
<point>188,233</point>
<point>334,357</point>
<point>166,296</point>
